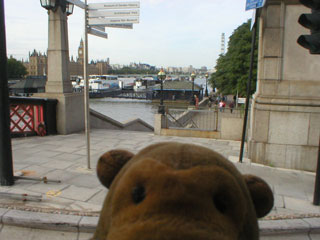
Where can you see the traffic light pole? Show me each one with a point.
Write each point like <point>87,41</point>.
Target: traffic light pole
<point>6,167</point>
<point>253,45</point>
<point>316,195</point>
<point>312,43</point>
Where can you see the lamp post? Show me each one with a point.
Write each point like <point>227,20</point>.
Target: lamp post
<point>193,76</point>
<point>53,5</point>
<point>206,93</point>
<point>162,76</point>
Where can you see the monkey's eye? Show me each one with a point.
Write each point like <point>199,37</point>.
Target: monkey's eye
<point>138,194</point>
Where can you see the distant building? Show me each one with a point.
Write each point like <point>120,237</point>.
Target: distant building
<point>142,66</point>
<point>37,65</point>
<point>203,69</point>
<point>177,90</point>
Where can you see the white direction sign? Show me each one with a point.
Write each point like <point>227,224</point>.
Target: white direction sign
<point>78,3</point>
<point>104,21</point>
<point>125,25</point>
<point>102,27</point>
<point>114,13</point>
<point>99,28</point>
<point>114,5</point>
<point>97,33</point>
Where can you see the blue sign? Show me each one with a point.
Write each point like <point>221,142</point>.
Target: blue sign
<point>253,4</point>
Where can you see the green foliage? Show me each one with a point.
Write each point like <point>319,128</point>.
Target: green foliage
<point>15,68</point>
<point>232,69</point>
<point>128,70</point>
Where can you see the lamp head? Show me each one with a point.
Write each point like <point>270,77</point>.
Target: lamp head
<point>69,8</point>
<point>162,74</point>
<point>48,4</point>
<point>53,4</point>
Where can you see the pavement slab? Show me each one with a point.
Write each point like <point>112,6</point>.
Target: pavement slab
<point>78,193</point>
<point>18,233</point>
<point>79,197</point>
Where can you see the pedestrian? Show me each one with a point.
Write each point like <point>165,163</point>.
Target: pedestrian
<point>221,106</point>
<point>196,100</point>
<point>210,102</point>
<point>231,106</point>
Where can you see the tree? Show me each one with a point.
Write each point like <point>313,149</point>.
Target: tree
<point>15,68</point>
<point>232,69</point>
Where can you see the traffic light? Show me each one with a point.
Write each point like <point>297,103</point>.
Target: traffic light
<point>312,22</point>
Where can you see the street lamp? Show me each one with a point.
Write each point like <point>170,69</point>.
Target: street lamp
<point>53,4</point>
<point>69,8</point>
<point>162,76</point>
<point>206,93</point>
<point>193,76</point>
<point>48,4</point>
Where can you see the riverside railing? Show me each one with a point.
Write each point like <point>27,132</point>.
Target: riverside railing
<point>203,119</point>
<point>32,116</point>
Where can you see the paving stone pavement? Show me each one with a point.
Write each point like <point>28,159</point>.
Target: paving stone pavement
<point>70,209</point>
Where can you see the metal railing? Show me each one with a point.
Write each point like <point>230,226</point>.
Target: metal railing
<point>32,116</point>
<point>204,119</point>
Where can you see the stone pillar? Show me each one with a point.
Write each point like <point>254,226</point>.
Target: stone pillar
<point>58,54</point>
<point>285,113</point>
<point>70,108</point>
<point>159,123</point>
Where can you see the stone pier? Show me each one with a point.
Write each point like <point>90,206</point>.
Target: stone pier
<point>285,115</point>
<point>70,107</point>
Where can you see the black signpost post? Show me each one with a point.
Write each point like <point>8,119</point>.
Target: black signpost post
<point>253,45</point>
<point>6,167</point>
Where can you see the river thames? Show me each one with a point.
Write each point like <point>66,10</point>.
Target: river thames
<point>123,110</point>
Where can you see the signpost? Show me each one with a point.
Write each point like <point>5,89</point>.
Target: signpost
<point>250,4</point>
<point>254,4</point>
<point>98,16</point>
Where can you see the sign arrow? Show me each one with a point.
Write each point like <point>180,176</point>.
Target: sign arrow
<point>97,33</point>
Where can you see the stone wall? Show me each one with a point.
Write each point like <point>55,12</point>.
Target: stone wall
<point>285,115</point>
<point>100,121</point>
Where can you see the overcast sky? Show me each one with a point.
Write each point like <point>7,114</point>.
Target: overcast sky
<point>170,33</point>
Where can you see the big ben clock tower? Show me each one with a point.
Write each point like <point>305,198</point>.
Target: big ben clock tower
<point>80,52</point>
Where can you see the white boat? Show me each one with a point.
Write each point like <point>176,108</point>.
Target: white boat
<point>99,83</point>
<point>144,83</point>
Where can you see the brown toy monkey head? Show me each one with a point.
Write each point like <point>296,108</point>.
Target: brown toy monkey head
<point>171,191</point>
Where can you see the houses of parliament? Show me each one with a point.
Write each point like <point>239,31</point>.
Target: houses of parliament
<point>37,65</point>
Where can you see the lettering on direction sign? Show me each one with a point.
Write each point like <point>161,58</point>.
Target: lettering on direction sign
<point>114,13</point>
<point>125,25</point>
<point>114,5</point>
<point>104,21</point>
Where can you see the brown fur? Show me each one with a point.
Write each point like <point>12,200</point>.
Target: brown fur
<point>172,191</point>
